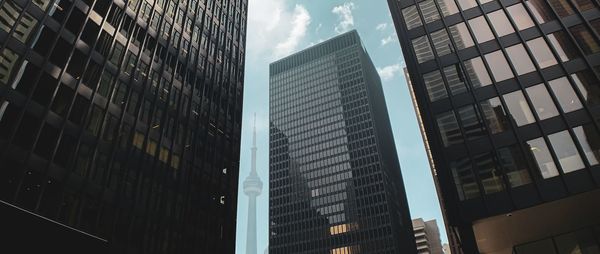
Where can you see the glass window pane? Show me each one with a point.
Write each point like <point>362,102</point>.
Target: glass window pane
<point>585,39</point>
<point>584,5</point>
<point>542,102</point>
<point>449,129</point>
<point>481,29</point>
<point>562,8</point>
<point>520,16</point>
<point>461,36</point>
<point>435,86</point>
<point>448,7</point>
<point>494,115</point>
<point>541,52</point>
<point>518,108</point>
<point>588,137</point>
<point>565,150</point>
<point>588,86</point>
<point>567,98</point>
<point>467,4</point>
<point>499,66</point>
<point>515,165</point>
<point>441,42</point>
<point>541,11</point>
<point>563,45</point>
<point>430,12</point>
<point>471,121</point>
<point>520,59</point>
<point>477,73</point>
<point>411,17</point>
<point>490,177</point>
<point>500,23</point>
<point>422,49</point>
<point>456,79</point>
<point>542,156</point>
<point>466,186</point>
<point>581,241</point>
<point>596,25</point>
<point>544,246</point>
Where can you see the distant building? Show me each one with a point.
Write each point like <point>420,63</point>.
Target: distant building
<point>427,236</point>
<point>335,182</point>
<point>446,248</point>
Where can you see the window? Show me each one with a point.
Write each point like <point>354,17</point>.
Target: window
<point>462,37</point>
<point>520,59</point>
<point>585,39</point>
<point>565,151</point>
<point>466,186</point>
<point>562,8</point>
<point>422,49</point>
<point>563,45</point>
<point>542,156</point>
<point>449,129</point>
<point>481,29</point>
<point>589,139</point>
<point>500,23</point>
<point>567,98</point>
<point>411,17</point>
<point>435,86</point>
<point>518,108</point>
<point>499,66</point>
<point>467,4</point>
<point>8,59</point>
<point>430,12</point>
<point>581,241</point>
<point>494,115</point>
<point>448,7</point>
<point>587,84</point>
<point>584,5</point>
<point>477,73</point>
<point>489,176</point>
<point>542,102</point>
<point>471,121</point>
<point>515,165</point>
<point>441,42</point>
<point>541,11</point>
<point>542,246</point>
<point>455,78</point>
<point>520,16</point>
<point>541,52</point>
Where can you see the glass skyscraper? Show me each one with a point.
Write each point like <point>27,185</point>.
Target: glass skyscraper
<point>335,180</point>
<point>120,124</point>
<point>508,94</point>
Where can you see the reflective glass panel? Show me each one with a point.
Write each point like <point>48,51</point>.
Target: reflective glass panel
<point>544,246</point>
<point>466,186</point>
<point>585,39</point>
<point>584,5</point>
<point>565,150</point>
<point>518,108</point>
<point>467,4</point>
<point>567,99</point>
<point>587,84</point>
<point>462,37</point>
<point>411,17</point>
<point>471,122</point>
<point>435,86</point>
<point>449,130</point>
<point>541,52</point>
<point>589,139</point>
<point>430,12</point>
<point>578,242</point>
<point>499,66</point>
<point>456,79</point>
<point>542,157</point>
<point>563,45</point>
<point>494,115</point>
<point>520,59</point>
<point>490,177</point>
<point>481,29</point>
<point>477,73</point>
<point>520,16</point>
<point>562,8</point>
<point>514,165</point>
<point>541,11</point>
<point>422,49</point>
<point>500,23</point>
<point>542,102</point>
<point>448,7</point>
<point>441,42</point>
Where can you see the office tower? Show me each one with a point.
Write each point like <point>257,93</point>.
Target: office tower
<point>427,236</point>
<point>509,98</point>
<point>252,188</point>
<point>335,180</point>
<point>120,124</point>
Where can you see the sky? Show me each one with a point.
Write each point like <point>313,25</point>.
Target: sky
<point>278,28</point>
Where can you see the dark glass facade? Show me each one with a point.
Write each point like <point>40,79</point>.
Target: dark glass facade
<point>121,120</point>
<point>335,180</point>
<point>509,96</point>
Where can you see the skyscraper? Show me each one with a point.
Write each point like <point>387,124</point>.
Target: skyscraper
<point>335,180</point>
<point>120,124</point>
<point>427,236</point>
<point>252,188</point>
<point>509,98</point>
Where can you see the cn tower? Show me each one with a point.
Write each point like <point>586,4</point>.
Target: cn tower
<point>252,188</point>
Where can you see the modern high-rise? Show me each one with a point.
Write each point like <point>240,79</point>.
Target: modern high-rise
<point>508,94</point>
<point>335,180</point>
<point>427,236</point>
<point>120,125</point>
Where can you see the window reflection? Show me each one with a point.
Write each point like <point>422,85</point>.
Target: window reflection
<point>494,115</point>
<point>466,186</point>
<point>430,12</point>
<point>584,5</point>
<point>462,37</point>
<point>587,84</point>
<point>542,102</point>
<point>562,8</point>
<point>544,246</point>
<point>456,79</point>
<point>541,11</point>
<point>441,42</point>
<point>422,49</point>
<point>563,45</point>
<point>435,86</point>
<point>500,23</point>
<point>520,16</point>
<point>515,166</point>
<point>467,4</point>
<point>489,175</point>
<point>589,139</point>
<point>585,39</point>
<point>471,121</point>
<point>449,130</point>
<point>565,151</point>
<point>518,108</point>
<point>448,7</point>
<point>499,66</point>
<point>411,17</point>
<point>567,99</point>
<point>481,29</point>
<point>541,52</point>
<point>477,73</point>
<point>541,154</point>
<point>520,59</point>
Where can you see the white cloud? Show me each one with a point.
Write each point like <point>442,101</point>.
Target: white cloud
<point>276,28</point>
<point>319,27</point>
<point>345,17</point>
<point>381,27</point>
<point>389,72</point>
<point>388,39</point>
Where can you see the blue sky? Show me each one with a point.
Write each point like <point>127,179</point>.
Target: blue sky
<point>277,28</point>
